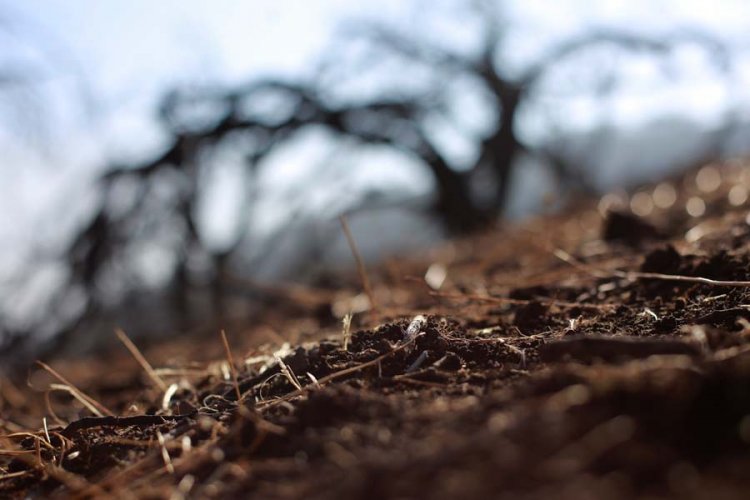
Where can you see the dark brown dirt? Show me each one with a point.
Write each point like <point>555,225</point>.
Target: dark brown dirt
<point>530,377</point>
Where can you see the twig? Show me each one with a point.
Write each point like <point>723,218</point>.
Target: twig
<point>360,265</point>
<point>77,393</point>
<point>141,359</point>
<point>677,277</point>
<point>636,275</point>
<point>230,360</point>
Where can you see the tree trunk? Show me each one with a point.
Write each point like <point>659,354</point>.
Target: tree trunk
<point>455,206</point>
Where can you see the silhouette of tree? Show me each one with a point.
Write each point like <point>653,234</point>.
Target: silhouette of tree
<point>164,191</point>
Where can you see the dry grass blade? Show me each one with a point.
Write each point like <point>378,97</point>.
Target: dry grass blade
<point>314,379</point>
<point>360,264</point>
<point>677,277</point>
<point>636,275</point>
<point>46,430</point>
<point>88,401</point>
<point>346,324</point>
<point>141,359</point>
<point>11,475</point>
<point>30,435</point>
<point>289,374</point>
<point>81,399</point>
<point>164,453</point>
<point>168,394</point>
<point>230,360</point>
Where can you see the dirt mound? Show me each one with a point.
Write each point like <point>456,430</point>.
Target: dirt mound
<point>565,358</point>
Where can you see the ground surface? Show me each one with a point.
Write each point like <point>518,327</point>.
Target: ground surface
<point>545,366</point>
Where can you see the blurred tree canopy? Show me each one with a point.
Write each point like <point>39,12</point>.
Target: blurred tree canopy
<point>379,86</point>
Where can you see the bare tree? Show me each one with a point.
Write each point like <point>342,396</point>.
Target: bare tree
<point>163,192</point>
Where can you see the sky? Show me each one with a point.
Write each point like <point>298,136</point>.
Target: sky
<point>103,65</point>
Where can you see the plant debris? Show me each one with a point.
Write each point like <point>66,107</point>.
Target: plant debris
<point>558,360</point>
